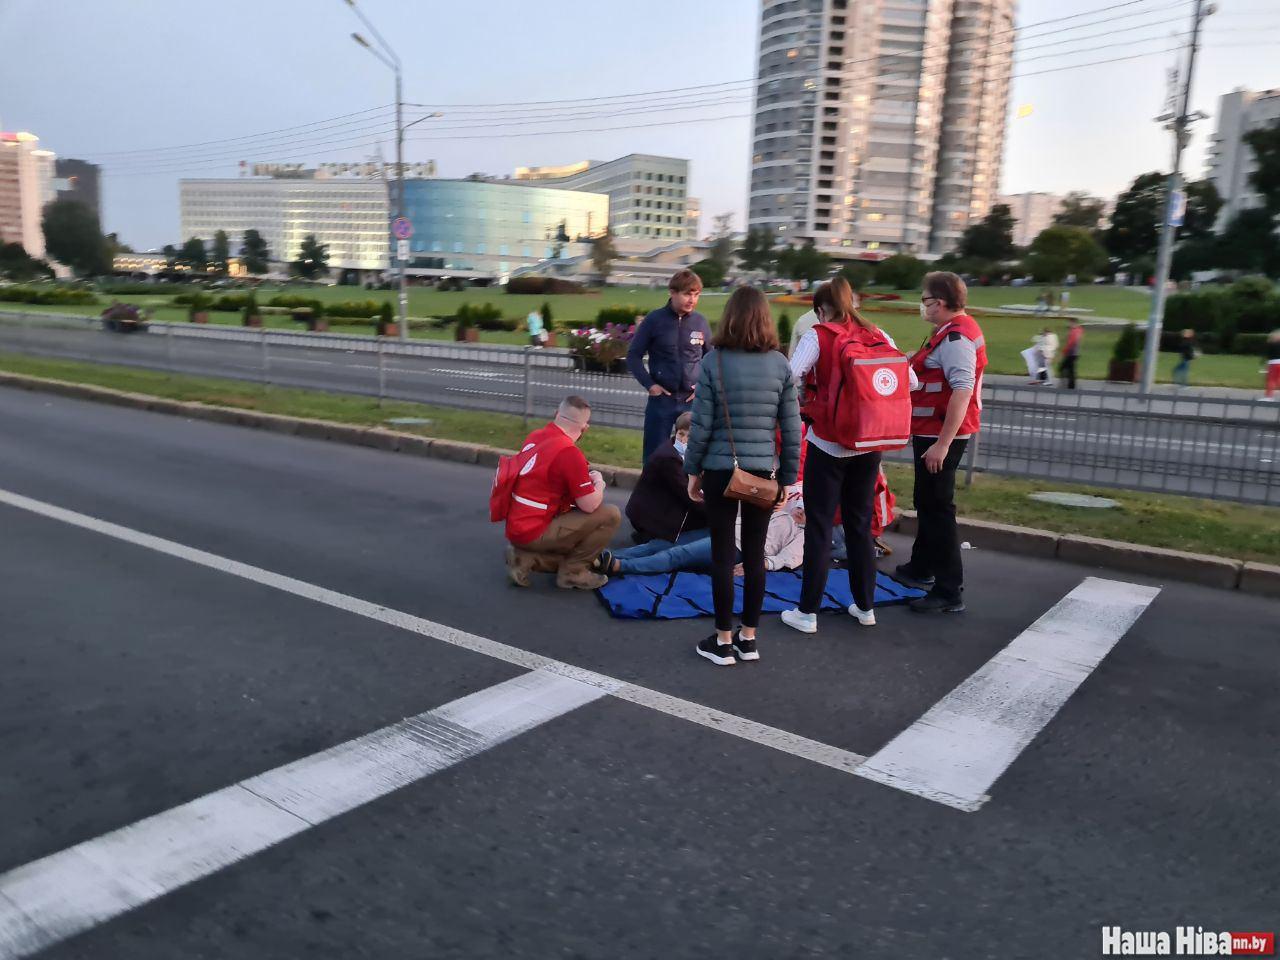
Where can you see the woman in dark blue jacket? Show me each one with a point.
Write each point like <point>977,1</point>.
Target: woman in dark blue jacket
<point>747,374</point>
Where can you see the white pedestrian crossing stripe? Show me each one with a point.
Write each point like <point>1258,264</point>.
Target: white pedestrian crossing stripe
<point>66,893</point>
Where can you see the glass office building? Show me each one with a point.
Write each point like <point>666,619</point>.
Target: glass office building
<point>492,228</point>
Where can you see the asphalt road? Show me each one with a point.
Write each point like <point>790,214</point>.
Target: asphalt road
<point>1219,448</point>
<point>134,680</point>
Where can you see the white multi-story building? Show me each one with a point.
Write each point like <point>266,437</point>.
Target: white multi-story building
<point>879,124</point>
<point>648,195</point>
<point>1231,160</point>
<point>26,185</point>
<point>1032,213</point>
<point>348,215</point>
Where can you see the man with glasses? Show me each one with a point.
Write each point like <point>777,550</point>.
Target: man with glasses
<point>558,521</point>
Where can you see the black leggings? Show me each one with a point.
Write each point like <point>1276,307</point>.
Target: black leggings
<point>722,516</point>
<point>850,484</point>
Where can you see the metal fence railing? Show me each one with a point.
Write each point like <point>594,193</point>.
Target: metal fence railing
<point>1208,446</point>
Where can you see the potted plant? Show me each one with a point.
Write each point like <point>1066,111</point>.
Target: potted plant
<point>601,350</point>
<point>465,330</point>
<point>198,309</point>
<point>123,318</point>
<point>385,320</point>
<point>1125,366</point>
<point>312,317</point>
<point>250,317</point>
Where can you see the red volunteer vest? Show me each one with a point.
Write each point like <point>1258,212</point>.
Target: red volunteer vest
<point>929,402</point>
<point>535,501</point>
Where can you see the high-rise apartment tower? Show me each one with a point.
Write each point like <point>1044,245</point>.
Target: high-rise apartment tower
<point>879,124</point>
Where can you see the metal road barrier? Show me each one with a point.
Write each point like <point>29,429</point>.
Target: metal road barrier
<point>1204,446</point>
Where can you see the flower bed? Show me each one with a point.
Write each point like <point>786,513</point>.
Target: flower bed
<point>603,350</point>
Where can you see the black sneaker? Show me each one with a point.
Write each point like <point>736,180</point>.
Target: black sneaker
<point>904,574</point>
<point>937,603</point>
<point>721,654</point>
<point>603,563</point>
<point>744,648</point>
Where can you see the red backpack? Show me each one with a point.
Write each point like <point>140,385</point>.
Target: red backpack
<point>862,399</point>
<point>504,482</point>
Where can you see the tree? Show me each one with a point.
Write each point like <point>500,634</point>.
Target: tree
<point>1060,251</point>
<point>1134,230</point>
<point>16,264</point>
<point>170,256</point>
<point>221,253</point>
<point>1079,210</point>
<point>72,236</point>
<point>804,263</point>
<point>193,255</point>
<point>992,238</point>
<point>254,253</point>
<point>709,272</point>
<point>757,251</point>
<point>902,272</point>
<point>1265,178</point>
<point>603,252</point>
<point>1249,243</point>
<point>1203,204</point>
<point>115,246</point>
<point>859,275</point>
<point>313,259</point>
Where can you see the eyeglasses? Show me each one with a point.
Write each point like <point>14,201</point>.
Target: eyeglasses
<point>929,301</point>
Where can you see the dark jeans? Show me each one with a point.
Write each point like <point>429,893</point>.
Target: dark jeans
<point>936,552</point>
<point>1068,371</point>
<point>659,417</point>
<point>722,516</point>
<point>850,484</point>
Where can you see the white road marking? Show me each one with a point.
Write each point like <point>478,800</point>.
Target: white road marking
<point>66,893</point>
<point>956,751</point>
<point>759,733</point>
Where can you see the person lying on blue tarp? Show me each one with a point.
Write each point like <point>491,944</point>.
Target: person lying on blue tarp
<point>783,547</point>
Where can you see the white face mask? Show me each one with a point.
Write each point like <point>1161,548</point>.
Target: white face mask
<point>680,446</point>
<point>924,312</point>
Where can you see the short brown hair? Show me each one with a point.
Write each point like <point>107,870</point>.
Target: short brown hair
<point>747,323</point>
<point>683,422</point>
<point>946,287</point>
<point>573,401</point>
<point>684,281</point>
<point>836,297</point>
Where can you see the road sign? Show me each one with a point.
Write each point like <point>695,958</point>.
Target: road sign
<point>1177,208</point>
<point>402,249</point>
<point>402,228</point>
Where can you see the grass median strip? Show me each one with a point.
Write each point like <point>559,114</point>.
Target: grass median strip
<point>1181,523</point>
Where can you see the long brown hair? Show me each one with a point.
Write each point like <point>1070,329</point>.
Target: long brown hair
<point>836,296</point>
<point>747,323</point>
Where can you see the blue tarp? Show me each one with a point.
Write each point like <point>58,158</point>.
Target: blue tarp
<point>672,596</point>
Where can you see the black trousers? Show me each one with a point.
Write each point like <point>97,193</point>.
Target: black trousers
<point>850,484</point>
<point>722,517</point>
<point>936,552</point>
<point>1068,371</point>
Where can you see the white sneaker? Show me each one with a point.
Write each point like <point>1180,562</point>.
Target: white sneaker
<point>865,617</point>
<point>804,622</point>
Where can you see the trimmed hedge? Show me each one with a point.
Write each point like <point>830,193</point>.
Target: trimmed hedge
<point>52,296</point>
<point>1219,317</point>
<point>545,285</point>
<point>623,315</point>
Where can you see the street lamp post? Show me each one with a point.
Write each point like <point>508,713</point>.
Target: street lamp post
<point>389,57</point>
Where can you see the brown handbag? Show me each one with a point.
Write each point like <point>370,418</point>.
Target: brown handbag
<point>762,492</point>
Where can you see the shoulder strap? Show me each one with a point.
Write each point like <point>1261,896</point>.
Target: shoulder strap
<point>724,402</point>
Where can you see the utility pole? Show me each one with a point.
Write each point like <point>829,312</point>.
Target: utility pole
<point>1175,200</point>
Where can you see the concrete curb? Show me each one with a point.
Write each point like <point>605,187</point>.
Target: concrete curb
<point>1222,572</point>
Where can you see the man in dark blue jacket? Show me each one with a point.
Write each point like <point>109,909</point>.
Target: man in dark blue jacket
<point>676,338</point>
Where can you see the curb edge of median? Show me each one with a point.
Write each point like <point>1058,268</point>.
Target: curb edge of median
<point>1222,572</point>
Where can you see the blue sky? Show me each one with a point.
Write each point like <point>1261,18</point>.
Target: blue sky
<point>94,78</point>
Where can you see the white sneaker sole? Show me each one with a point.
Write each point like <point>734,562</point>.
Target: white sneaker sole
<point>865,617</point>
<point>802,627</point>
<point>717,660</point>
<point>747,656</point>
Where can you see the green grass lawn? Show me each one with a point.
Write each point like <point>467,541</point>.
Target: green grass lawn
<point>1006,336</point>
<point>1183,523</point>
